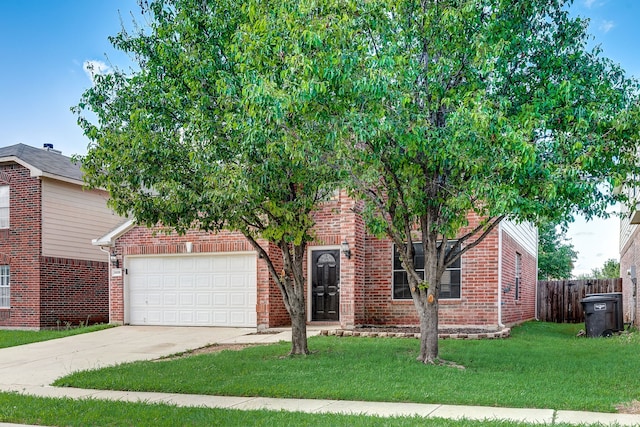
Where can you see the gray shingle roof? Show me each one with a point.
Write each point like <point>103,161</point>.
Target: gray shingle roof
<point>49,162</point>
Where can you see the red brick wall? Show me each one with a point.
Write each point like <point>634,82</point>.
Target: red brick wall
<point>275,314</point>
<point>478,296</point>
<point>73,291</point>
<point>20,246</point>
<point>630,255</point>
<point>516,311</point>
<point>365,278</point>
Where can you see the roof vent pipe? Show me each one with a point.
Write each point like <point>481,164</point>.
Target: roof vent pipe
<point>49,147</point>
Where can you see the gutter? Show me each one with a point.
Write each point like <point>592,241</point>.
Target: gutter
<point>535,301</point>
<point>110,238</point>
<point>500,324</point>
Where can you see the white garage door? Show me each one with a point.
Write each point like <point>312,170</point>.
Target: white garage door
<point>192,290</point>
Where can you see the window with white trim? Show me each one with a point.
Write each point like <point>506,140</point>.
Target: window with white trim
<point>4,206</point>
<point>518,274</point>
<point>449,285</point>
<point>5,300</point>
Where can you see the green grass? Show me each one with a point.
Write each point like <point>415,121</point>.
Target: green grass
<point>11,338</point>
<point>542,365</point>
<point>16,408</point>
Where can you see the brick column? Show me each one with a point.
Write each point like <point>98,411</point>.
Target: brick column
<point>352,270</point>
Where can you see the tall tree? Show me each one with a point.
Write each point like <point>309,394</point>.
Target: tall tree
<point>610,270</point>
<point>225,125</point>
<point>556,256</point>
<point>492,108</point>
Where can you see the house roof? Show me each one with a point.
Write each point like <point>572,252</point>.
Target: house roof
<point>43,162</point>
<point>110,238</point>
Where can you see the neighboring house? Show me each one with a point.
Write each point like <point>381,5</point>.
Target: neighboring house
<point>630,260</point>
<point>50,273</point>
<point>218,280</point>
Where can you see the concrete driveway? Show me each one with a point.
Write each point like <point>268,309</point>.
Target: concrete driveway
<point>39,364</point>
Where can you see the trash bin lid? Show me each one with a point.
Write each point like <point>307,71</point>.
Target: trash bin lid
<point>599,298</point>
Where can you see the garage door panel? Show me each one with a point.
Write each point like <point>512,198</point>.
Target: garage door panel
<point>237,300</point>
<point>187,299</point>
<point>220,318</point>
<point>169,281</point>
<point>187,317</point>
<point>153,299</point>
<point>203,300</point>
<point>220,299</point>
<point>154,282</point>
<point>211,290</point>
<point>154,317</point>
<point>170,299</point>
<point>203,281</point>
<point>169,317</point>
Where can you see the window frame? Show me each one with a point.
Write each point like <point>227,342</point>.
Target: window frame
<point>5,210</point>
<point>5,287</point>
<point>405,293</point>
<point>518,275</point>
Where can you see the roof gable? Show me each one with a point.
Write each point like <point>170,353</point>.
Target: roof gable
<point>43,162</point>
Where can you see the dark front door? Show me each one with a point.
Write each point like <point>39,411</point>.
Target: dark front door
<point>325,285</point>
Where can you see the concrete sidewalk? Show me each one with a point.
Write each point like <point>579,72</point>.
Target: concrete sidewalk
<point>29,369</point>
<point>380,409</point>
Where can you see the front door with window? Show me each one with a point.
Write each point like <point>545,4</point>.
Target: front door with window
<point>325,285</point>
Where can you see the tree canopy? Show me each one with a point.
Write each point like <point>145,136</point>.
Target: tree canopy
<point>489,108</point>
<point>226,125</point>
<point>556,256</point>
<point>244,114</point>
<point>610,270</point>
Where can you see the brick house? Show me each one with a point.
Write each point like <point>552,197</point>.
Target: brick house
<point>630,260</point>
<point>217,279</point>
<point>50,273</point>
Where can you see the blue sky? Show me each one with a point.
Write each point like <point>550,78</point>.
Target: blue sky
<point>44,45</point>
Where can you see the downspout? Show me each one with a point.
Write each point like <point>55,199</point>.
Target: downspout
<point>108,252</point>
<point>500,324</point>
<point>535,300</point>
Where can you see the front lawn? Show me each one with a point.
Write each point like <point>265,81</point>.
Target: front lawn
<point>11,338</point>
<point>542,365</point>
<point>16,408</point>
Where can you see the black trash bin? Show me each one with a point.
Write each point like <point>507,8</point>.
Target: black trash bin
<point>600,315</point>
<point>619,313</point>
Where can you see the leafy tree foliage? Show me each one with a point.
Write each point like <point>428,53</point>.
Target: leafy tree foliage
<point>441,108</point>
<point>487,107</point>
<point>226,125</point>
<point>609,270</point>
<point>556,256</point>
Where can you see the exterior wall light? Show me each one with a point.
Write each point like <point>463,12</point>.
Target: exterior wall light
<point>344,247</point>
<point>114,260</point>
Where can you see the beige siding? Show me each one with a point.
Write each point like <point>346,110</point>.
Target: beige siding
<point>626,228</point>
<point>71,218</point>
<point>526,234</point>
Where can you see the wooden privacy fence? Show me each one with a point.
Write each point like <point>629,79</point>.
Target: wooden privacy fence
<point>559,300</point>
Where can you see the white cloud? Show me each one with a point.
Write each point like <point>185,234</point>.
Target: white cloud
<point>606,26</point>
<point>94,68</point>
<point>589,3</point>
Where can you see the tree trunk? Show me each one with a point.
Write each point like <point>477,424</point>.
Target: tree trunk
<point>428,312</point>
<point>292,284</point>
<point>298,331</point>
<point>296,285</point>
